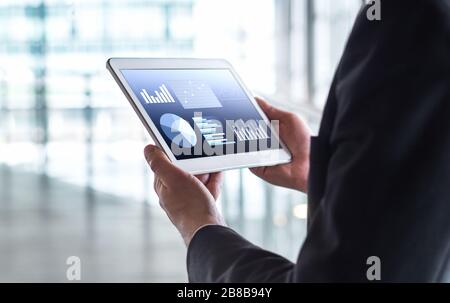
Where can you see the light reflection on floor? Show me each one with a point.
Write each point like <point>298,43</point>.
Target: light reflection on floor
<point>44,220</point>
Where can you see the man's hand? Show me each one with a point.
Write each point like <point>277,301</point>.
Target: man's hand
<point>189,201</point>
<point>296,135</point>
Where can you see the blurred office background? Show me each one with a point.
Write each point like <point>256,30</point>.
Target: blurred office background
<point>73,180</point>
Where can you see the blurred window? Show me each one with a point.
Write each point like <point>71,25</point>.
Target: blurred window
<point>62,114</point>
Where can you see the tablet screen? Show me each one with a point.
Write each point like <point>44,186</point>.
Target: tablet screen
<point>200,112</point>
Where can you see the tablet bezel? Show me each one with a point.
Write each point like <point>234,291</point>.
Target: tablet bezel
<point>205,164</point>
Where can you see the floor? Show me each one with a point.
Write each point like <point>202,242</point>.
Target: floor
<point>43,221</point>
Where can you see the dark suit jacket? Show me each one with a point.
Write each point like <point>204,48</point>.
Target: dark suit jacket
<point>379,181</point>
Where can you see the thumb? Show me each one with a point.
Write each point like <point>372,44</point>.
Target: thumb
<point>260,172</point>
<point>161,165</point>
<point>214,184</point>
<point>271,112</point>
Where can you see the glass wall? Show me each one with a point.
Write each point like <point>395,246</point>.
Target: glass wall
<point>61,114</point>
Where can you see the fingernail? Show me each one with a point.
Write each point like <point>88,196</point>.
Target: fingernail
<point>148,150</point>
<point>151,148</point>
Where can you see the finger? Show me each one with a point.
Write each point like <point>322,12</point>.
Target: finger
<point>214,184</point>
<point>157,185</point>
<point>161,165</point>
<point>257,170</point>
<point>261,172</point>
<point>272,112</point>
<point>204,178</point>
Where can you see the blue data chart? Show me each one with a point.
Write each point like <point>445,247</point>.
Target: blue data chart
<point>212,130</point>
<point>194,94</point>
<point>200,110</point>
<point>178,130</point>
<point>250,130</point>
<point>160,96</point>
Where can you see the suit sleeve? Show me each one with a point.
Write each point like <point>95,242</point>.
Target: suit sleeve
<point>218,254</point>
<point>387,157</point>
<point>388,152</point>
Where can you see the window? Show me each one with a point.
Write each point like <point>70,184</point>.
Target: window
<point>58,103</point>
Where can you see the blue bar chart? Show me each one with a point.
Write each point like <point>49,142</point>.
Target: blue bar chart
<point>212,131</point>
<point>249,130</point>
<point>161,96</point>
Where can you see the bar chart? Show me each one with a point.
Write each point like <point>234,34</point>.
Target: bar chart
<point>249,130</point>
<point>212,131</point>
<point>161,96</point>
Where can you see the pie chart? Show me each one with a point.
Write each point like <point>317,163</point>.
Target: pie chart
<point>178,130</point>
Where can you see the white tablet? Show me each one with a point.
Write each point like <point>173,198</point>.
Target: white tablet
<point>199,112</point>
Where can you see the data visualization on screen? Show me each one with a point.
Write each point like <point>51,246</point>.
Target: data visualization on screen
<point>194,94</point>
<point>195,108</point>
<point>160,96</point>
<point>250,130</point>
<point>178,130</point>
<point>212,130</point>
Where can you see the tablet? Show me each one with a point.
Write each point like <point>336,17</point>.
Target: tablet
<point>199,112</point>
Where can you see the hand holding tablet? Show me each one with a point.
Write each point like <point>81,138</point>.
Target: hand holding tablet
<point>297,136</point>
<point>199,112</point>
<point>190,201</point>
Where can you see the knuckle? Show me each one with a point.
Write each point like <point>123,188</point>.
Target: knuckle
<point>155,166</point>
<point>291,116</point>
